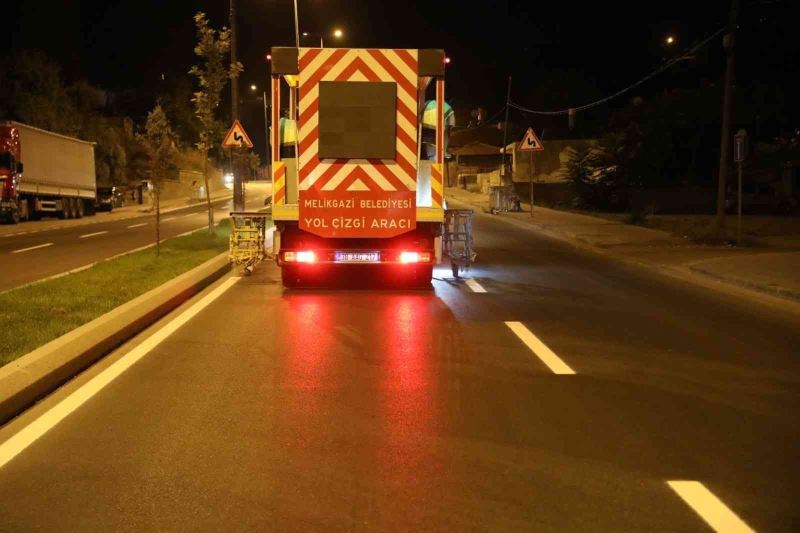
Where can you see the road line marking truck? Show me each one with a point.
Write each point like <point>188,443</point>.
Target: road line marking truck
<point>355,191</point>
<point>42,172</point>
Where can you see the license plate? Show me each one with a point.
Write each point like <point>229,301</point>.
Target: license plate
<point>358,257</point>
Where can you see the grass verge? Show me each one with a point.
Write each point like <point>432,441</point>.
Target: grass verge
<point>39,313</point>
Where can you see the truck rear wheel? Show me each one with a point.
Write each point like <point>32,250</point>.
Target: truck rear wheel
<point>79,208</point>
<point>290,277</point>
<point>423,277</point>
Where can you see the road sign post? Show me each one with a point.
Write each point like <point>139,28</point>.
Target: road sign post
<point>236,138</point>
<point>739,155</point>
<point>531,143</point>
<point>530,180</point>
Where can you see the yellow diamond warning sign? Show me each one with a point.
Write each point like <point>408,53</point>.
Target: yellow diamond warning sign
<point>237,137</point>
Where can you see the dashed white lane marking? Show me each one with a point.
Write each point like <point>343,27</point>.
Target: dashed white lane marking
<point>709,507</point>
<point>539,348</point>
<point>137,225</point>
<point>92,234</point>
<point>168,219</point>
<point>32,248</point>
<point>30,433</point>
<point>475,286</point>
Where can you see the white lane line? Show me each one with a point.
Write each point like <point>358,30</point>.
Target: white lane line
<point>168,219</point>
<point>475,286</point>
<point>137,225</point>
<point>539,348</point>
<point>32,248</point>
<point>30,433</point>
<point>709,507</point>
<point>92,234</point>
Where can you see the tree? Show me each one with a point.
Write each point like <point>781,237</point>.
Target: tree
<point>176,100</point>
<point>580,173</point>
<point>158,142</point>
<point>32,91</point>
<point>212,75</point>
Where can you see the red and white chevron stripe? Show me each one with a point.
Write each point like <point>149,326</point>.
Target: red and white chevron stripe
<point>336,64</point>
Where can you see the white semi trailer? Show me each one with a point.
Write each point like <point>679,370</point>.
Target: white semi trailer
<point>44,173</point>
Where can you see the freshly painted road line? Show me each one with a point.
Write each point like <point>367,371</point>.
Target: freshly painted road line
<point>709,507</point>
<point>32,248</point>
<point>541,351</point>
<point>30,433</point>
<point>137,225</point>
<point>475,286</point>
<point>92,234</point>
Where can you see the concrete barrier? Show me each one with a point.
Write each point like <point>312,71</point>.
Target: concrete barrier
<point>33,376</point>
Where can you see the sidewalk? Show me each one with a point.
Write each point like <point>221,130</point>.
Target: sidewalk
<point>769,270</point>
<point>120,213</point>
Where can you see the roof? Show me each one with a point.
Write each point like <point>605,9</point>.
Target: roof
<point>477,148</point>
<point>491,134</point>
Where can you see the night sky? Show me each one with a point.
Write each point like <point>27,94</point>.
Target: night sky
<point>559,54</point>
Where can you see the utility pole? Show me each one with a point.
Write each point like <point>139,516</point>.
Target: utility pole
<point>505,135</point>
<point>729,42</point>
<point>238,188</point>
<point>266,126</point>
<point>235,80</point>
<point>296,26</point>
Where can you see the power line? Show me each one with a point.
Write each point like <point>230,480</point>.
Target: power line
<point>662,68</point>
<point>487,121</point>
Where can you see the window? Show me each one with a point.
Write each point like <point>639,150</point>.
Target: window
<point>7,160</point>
<point>357,120</point>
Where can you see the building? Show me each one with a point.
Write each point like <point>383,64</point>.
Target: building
<point>477,166</point>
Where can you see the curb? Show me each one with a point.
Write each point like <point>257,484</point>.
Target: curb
<point>691,271</point>
<point>31,377</point>
<point>766,289</point>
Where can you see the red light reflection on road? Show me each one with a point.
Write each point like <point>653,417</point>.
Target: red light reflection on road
<point>408,399</point>
<point>307,333</point>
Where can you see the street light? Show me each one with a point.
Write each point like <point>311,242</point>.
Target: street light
<point>253,87</point>
<point>337,33</point>
<point>670,40</point>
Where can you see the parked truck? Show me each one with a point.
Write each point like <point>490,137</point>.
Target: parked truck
<point>357,193</point>
<point>44,173</point>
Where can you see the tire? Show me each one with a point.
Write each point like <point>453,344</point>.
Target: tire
<point>454,267</point>
<point>423,277</point>
<point>290,277</point>
<point>14,218</point>
<point>24,210</point>
<point>64,213</point>
<point>79,208</point>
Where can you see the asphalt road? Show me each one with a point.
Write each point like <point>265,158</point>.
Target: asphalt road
<point>424,411</point>
<point>34,253</point>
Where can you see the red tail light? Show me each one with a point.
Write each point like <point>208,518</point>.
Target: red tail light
<point>305,256</point>
<point>415,257</point>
